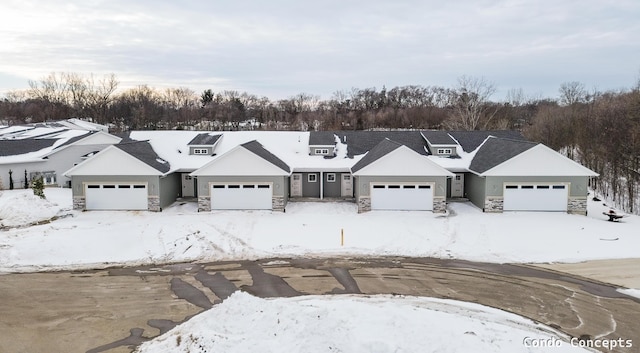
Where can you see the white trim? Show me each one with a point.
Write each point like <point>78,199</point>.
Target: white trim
<point>315,178</point>
<point>331,175</point>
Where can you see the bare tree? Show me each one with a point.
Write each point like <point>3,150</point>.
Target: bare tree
<point>470,103</point>
<point>572,92</point>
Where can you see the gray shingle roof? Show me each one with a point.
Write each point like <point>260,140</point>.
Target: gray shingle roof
<point>143,151</point>
<point>22,146</point>
<point>75,139</point>
<point>438,137</point>
<point>470,140</point>
<point>495,151</point>
<point>322,138</point>
<point>359,142</point>
<point>383,148</point>
<point>255,147</point>
<point>204,139</point>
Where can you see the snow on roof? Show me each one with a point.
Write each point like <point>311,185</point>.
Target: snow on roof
<point>292,147</point>
<point>47,138</point>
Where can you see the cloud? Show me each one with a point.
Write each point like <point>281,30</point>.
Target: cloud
<point>280,48</point>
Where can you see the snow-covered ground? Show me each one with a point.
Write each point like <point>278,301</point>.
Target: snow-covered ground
<point>357,324</point>
<point>327,323</point>
<point>180,233</point>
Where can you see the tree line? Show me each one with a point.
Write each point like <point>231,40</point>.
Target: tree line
<point>599,129</point>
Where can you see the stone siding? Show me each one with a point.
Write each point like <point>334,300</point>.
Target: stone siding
<point>577,206</point>
<point>153,204</point>
<point>277,203</point>
<point>204,203</point>
<point>364,204</point>
<point>79,203</point>
<point>493,204</point>
<point>439,205</point>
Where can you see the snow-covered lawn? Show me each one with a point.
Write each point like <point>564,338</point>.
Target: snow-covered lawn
<point>356,324</point>
<point>180,233</point>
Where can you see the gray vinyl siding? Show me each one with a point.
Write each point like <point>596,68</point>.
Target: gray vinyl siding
<point>77,181</point>
<point>578,188</point>
<point>312,150</point>
<point>280,185</point>
<point>170,188</point>
<point>362,187</point>
<point>208,148</point>
<point>332,189</point>
<point>310,189</point>
<point>65,159</point>
<point>474,188</point>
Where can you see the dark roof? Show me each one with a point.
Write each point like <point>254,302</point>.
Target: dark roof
<point>255,147</point>
<point>143,151</point>
<point>470,140</point>
<point>438,137</point>
<point>360,142</point>
<point>383,148</point>
<point>22,146</point>
<point>495,151</point>
<point>204,139</point>
<point>76,138</point>
<point>322,138</point>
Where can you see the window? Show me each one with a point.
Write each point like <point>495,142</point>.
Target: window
<point>408,186</point>
<point>331,177</point>
<point>218,186</point>
<point>108,186</point>
<point>542,187</point>
<point>234,186</point>
<point>200,151</point>
<point>511,187</point>
<point>558,186</point>
<point>93,186</point>
<point>124,186</point>
<point>527,186</point>
<point>424,186</point>
<point>312,178</point>
<point>263,186</point>
<point>457,177</point>
<point>378,186</point>
<point>139,186</point>
<point>248,186</point>
<point>321,151</point>
<point>444,150</point>
<point>394,186</point>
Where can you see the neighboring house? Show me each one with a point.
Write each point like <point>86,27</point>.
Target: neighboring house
<point>380,170</point>
<point>48,150</point>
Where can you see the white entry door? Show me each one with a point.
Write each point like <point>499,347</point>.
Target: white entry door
<point>107,196</point>
<point>296,185</point>
<point>404,197</point>
<point>457,185</point>
<point>188,185</point>
<point>530,197</point>
<point>241,196</point>
<point>347,185</point>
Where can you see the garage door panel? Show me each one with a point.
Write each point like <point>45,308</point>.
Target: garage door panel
<point>402,197</point>
<point>241,197</point>
<point>116,197</point>
<point>528,197</point>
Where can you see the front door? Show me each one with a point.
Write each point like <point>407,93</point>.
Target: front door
<point>347,185</point>
<point>296,185</point>
<point>457,186</point>
<point>188,185</point>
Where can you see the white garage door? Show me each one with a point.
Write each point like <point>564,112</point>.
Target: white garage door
<point>116,196</point>
<point>408,197</point>
<point>530,197</point>
<point>241,196</point>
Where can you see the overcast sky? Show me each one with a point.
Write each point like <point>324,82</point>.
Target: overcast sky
<point>281,48</point>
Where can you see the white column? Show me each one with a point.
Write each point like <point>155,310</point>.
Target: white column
<point>321,186</point>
